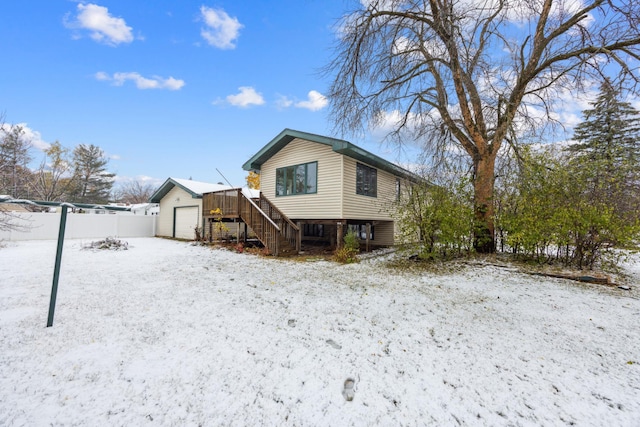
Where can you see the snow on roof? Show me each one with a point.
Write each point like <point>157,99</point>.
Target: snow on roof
<point>250,192</point>
<point>196,188</point>
<point>200,187</point>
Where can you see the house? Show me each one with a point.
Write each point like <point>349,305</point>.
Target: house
<point>314,188</point>
<point>180,202</point>
<point>139,208</point>
<point>145,209</point>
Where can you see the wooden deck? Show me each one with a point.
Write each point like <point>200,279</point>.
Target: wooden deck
<point>227,201</point>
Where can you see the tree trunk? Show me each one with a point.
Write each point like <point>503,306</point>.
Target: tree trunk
<point>483,180</point>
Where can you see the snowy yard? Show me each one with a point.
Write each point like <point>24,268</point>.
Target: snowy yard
<point>168,333</point>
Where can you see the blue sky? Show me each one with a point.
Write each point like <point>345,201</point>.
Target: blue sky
<point>176,88</point>
<point>168,88</point>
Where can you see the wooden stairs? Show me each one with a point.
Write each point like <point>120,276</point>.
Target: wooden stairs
<point>273,228</point>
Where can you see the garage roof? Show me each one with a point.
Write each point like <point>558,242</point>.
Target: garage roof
<point>195,188</point>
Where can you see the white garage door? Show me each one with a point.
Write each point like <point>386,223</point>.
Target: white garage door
<point>187,218</point>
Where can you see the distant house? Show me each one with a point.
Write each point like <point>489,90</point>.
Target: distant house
<point>180,202</point>
<point>145,209</point>
<point>315,188</point>
<point>139,208</point>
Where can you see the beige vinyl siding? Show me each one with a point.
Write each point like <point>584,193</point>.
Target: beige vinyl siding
<point>167,205</point>
<point>357,206</point>
<point>384,234</point>
<point>327,202</point>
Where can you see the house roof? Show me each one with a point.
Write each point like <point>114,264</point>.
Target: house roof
<point>338,145</point>
<point>194,188</point>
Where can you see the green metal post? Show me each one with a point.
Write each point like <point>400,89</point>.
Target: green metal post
<point>56,269</point>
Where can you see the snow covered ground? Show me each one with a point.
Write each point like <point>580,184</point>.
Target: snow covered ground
<point>168,333</point>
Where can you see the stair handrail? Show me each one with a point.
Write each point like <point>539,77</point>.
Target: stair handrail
<point>284,217</point>
<point>261,211</point>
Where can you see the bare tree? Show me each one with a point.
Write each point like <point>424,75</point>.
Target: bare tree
<point>14,160</point>
<point>135,192</point>
<point>9,220</point>
<point>473,76</point>
<point>52,180</point>
<point>13,221</point>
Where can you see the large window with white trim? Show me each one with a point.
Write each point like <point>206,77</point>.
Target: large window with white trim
<point>366,180</point>
<point>297,179</point>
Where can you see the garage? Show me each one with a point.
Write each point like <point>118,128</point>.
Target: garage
<point>187,218</point>
<point>180,203</point>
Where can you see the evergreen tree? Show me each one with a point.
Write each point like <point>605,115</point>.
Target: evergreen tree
<point>92,182</point>
<point>608,149</point>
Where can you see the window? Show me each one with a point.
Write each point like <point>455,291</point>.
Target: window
<point>398,189</point>
<point>298,179</point>
<point>313,230</point>
<point>366,180</point>
<point>361,231</point>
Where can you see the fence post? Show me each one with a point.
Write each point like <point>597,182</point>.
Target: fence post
<point>56,270</point>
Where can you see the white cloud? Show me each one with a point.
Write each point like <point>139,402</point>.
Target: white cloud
<point>155,82</point>
<point>316,101</point>
<point>222,30</point>
<point>101,75</point>
<point>283,102</point>
<point>103,27</point>
<point>387,121</point>
<point>247,96</point>
<point>148,179</point>
<point>143,179</point>
<point>30,135</point>
<point>380,5</point>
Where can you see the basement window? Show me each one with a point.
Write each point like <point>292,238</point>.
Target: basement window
<point>361,231</point>
<point>313,230</point>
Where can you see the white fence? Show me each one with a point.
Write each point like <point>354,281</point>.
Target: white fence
<point>46,226</point>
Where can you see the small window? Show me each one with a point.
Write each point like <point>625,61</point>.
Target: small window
<point>398,189</point>
<point>312,177</point>
<point>298,179</point>
<point>361,231</point>
<point>280,182</point>
<point>313,230</point>
<point>366,180</point>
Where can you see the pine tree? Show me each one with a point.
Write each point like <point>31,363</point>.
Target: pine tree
<point>608,150</point>
<point>92,182</point>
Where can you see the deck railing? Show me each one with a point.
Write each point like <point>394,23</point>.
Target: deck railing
<point>227,201</point>
<point>273,228</point>
<point>289,231</point>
